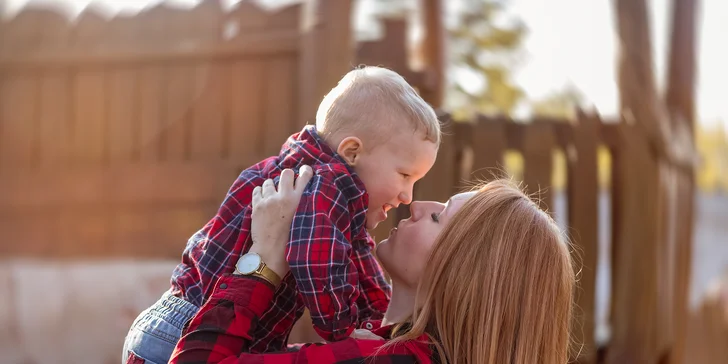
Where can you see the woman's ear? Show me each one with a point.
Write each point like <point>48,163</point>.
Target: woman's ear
<point>350,148</point>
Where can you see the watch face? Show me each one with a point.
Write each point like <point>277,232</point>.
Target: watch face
<point>248,263</point>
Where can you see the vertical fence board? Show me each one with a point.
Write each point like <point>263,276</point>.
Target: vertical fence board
<point>55,124</point>
<point>179,94</point>
<point>150,100</point>
<point>210,110</point>
<point>246,108</point>
<point>280,109</point>
<point>18,105</point>
<point>442,180</point>
<point>634,310</point>
<point>89,130</point>
<point>538,144</point>
<point>582,192</point>
<point>123,116</point>
<point>488,143</point>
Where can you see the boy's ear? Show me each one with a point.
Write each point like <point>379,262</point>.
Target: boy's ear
<point>350,149</point>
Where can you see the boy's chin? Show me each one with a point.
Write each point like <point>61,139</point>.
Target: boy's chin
<point>371,224</point>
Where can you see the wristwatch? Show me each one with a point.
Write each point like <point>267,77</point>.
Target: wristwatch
<point>251,264</point>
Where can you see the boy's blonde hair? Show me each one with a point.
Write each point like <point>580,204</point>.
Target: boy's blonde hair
<point>371,101</point>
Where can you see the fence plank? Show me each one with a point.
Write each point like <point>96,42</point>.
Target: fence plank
<point>489,144</point>
<point>210,111</point>
<point>280,103</point>
<point>207,120</point>
<point>177,115</point>
<point>538,144</point>
<point>441,182</point>
<point>326,52</point>
<point>150,112</point>
<point>55,122</point>
<point>583,190</point>
<point>634,328</point>
<point>89,114</point>
<point>18,105</point>
<point>683,261</point>
<point>246,106</point>
<point>123,115</point>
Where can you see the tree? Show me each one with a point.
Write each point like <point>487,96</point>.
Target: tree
<point>484,47</point>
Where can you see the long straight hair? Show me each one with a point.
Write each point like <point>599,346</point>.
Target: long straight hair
<point>499,285</point>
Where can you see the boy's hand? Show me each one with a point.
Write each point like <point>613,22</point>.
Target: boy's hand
<point>272,216</point>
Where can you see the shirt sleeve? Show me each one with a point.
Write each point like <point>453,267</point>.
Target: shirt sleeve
<point>221,332</point>
<point>373,286</point>
<point>320,256</point>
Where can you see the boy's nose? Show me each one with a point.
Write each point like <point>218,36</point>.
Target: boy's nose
<point>405,198</point>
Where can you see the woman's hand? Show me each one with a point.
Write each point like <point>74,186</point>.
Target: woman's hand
<point>273,214</point>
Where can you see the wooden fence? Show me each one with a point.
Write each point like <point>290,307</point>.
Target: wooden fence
<point>119,137</point>
<point>644,277</point>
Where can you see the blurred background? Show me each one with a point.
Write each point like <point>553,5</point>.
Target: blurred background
<point>123,123</point>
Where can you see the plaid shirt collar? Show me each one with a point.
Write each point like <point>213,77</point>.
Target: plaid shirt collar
<point>307,147</point>
<point>308,144</point>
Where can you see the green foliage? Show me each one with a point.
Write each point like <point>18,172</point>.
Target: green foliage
<point>484,48</point>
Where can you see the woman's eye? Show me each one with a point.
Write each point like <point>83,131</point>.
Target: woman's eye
<point>435,217</point>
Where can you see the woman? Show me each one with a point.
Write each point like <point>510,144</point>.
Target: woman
<point>484,278</point>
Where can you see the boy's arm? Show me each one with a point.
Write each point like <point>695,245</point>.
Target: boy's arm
<point>319,254</point>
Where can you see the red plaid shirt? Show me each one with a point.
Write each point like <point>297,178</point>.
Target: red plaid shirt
<point>330,251</point>
<point>225,327</point>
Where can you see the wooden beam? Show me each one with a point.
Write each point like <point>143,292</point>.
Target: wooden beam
<point>271,44</point>
<point>638,96</point>
<point>583,208</point>
<point>327,51</point>
<point>680,101</point>
<point>433,52</point>
<point>680,95</point>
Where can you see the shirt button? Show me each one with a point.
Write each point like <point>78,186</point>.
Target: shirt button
<point>368,325</point>
<point>223,286</point>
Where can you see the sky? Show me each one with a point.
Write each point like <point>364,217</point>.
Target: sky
<point>571,42</point>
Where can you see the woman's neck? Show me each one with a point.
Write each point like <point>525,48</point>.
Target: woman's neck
<point>401,305</point>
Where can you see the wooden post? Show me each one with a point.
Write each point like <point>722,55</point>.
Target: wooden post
<point>583,207</point>
<point>433,52</point>
<point>327,51</point>
<point>637,187</point>
<point>680,98</point>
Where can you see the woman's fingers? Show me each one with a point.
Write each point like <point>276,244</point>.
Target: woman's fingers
<point>285,184</point>
<point>304,176</point>
<point>257,195</point>
<point>269,188</point>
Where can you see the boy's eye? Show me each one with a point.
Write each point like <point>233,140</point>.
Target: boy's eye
<point>435,217</point>
<point>405,175</point>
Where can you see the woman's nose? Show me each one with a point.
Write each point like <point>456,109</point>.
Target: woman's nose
<point>416,210</point>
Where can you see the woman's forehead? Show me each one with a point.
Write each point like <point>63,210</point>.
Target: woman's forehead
<point>463,196</point>
<point>454,203</point>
